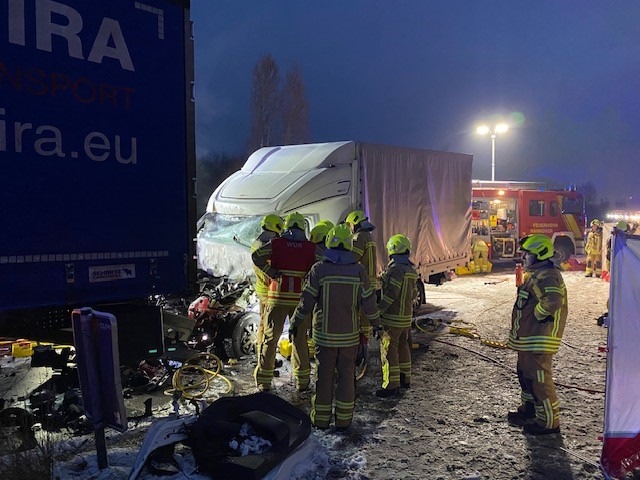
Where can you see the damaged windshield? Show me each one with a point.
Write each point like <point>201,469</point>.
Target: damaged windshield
<point>238,229</point>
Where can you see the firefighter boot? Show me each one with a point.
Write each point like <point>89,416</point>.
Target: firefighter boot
<point>386,392</point>
<point>537,429</point>
<point>524,415</point>
<point>403,381</point>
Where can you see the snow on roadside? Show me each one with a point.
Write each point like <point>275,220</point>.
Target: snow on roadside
<point>451,424</point>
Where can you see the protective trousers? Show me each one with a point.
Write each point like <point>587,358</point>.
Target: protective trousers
<point>537,387</point>
<point>330,360</point>
<point>395,355</point>
<point>275,316</point>
<point>263,321</point>
<point>479,262</point>
<point>594,265</point>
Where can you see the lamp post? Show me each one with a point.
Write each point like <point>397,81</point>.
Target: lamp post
<point>499,128</point>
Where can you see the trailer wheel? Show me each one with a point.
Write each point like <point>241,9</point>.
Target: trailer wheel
<point>245,335</point>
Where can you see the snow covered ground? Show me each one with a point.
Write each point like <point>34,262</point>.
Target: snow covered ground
<point>451,424</point>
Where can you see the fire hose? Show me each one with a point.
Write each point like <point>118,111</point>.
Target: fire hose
<point>470,332</point>
<point>183,383</point>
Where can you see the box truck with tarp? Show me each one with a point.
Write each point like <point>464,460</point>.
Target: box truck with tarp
<point>424,194</point>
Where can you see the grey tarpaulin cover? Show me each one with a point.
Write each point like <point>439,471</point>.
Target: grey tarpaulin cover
<point>423,194</point>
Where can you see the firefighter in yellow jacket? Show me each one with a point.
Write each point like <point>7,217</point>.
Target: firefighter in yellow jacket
<point>593,249</point>
<point>364,249</point>
<point>272,226</point>
<point>335,290</point>
<point>537,324</point>
<point>396,310</point>
<point>480,251</point>
<point>286,260</point>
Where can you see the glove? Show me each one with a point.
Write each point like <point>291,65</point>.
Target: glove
<point>547,319</point>
<point>277,275</point>
<point>377,331</point>
<point>293,331</point>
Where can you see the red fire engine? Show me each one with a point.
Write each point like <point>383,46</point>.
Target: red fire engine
<point>503,212</point>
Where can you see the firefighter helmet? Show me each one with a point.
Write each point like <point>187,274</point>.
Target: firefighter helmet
<point>595,222</point>
<point>539,245</point>
<point>622,225</point>
<point>339,237</point>
<point>272,223</point>
<point>355,217</point>
<point>398,244</point>
<point>294,220</point>
<point>326,222</point>
<point>319,232</point>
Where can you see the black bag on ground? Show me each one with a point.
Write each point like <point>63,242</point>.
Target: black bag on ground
<point>222,447</point>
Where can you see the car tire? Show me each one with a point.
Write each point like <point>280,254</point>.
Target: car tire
<point>245,335</point>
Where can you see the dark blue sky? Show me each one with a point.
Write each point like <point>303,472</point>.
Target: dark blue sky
<point>425,73</point>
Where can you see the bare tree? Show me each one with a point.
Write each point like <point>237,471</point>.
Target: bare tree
<point>295,109</point>
<point>265,103</point>
<point>211,170</point>
<point>588,191</point>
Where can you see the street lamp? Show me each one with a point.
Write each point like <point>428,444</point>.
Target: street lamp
<point>499,128</point>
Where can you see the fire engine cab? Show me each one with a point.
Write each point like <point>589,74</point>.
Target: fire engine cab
<point>503,212</point>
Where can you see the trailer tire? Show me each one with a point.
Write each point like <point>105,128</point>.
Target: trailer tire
<point>245,335</point>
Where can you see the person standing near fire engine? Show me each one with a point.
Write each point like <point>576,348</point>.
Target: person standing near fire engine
<point>272,226</point>
<point>480,251</point>
<point>286,260</point>
<point>593,249</point>
<point>334,291</point>
<point>364,249</point>
<point>396,311</point>
<point>537,323</point>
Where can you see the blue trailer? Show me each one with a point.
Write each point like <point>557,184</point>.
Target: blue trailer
<point>97,155</point>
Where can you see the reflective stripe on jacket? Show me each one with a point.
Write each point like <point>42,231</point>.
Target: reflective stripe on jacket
<point>335,294</point>
<point>594,243</point>
<point>320,249</point>
<point>261,284</point>
<point>540,312</point>
<point>364,249</point>
<point>398,291</point>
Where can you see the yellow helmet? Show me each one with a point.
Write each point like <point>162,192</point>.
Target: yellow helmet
<point>595,222</point>
<point>339,237</point>
<point>294,220</point>
<point>326,222</point>
<point>319,232</point>
<point>355,217</point>
<point>398,244</point>
<point>272,223</point>
<point>539,245</point>
<point>622,225</point>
